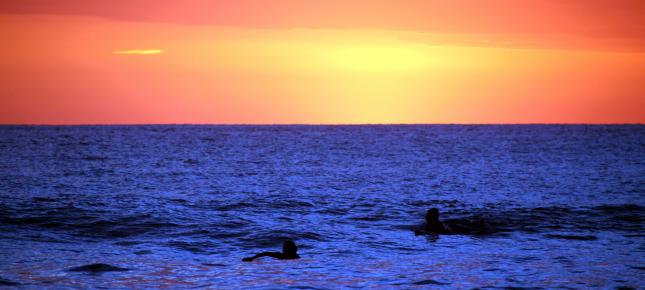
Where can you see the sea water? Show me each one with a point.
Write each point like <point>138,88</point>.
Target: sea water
<point>180,206</point>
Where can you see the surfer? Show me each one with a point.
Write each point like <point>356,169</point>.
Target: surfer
<point>289,252</point>
<point>473,226</point>
<point>433,225</point>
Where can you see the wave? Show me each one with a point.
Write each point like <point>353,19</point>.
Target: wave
<point>86,223</point>
<point>624,218</point>
<point>556,222</point>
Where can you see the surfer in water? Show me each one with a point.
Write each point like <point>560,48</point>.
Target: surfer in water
<point>289,252</point>
<point>476,226</point>
<point>433,225</point>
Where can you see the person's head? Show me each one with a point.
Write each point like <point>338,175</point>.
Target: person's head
<point>289,247</point>
<point>432,215</point>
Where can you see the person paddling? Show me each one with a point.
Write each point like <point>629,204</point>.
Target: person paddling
<point>289,252</point>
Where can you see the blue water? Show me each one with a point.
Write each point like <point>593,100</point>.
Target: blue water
<point>180,206</point>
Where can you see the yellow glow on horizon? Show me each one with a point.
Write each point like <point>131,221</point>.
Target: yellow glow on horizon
<point>140,51</point>
<point>367,76</point>
<point>376,58</point>
<point>317,76</point>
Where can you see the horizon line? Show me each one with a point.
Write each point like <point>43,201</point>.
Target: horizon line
<point>317,124</point>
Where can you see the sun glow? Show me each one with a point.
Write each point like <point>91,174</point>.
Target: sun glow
<point>140,51</point>
<point>225,74</point>
<point>377,58</point>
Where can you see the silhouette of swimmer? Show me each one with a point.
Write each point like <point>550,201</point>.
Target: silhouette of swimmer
<point>289,252</point>
<point>433,225</point>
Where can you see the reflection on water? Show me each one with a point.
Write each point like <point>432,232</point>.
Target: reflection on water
<point>179,206</point>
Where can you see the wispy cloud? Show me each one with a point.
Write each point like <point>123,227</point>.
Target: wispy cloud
<point>140,51</point>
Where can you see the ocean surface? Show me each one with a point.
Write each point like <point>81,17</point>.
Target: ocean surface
<point>180,206</point>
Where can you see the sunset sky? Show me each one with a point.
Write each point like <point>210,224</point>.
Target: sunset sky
<point>322,62</point>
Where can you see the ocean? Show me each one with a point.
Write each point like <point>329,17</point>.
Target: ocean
<point>179,206</point>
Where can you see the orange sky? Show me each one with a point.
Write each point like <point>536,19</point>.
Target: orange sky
<point>267,62</point>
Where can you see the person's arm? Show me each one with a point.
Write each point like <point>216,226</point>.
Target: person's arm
<point>276,255</point>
